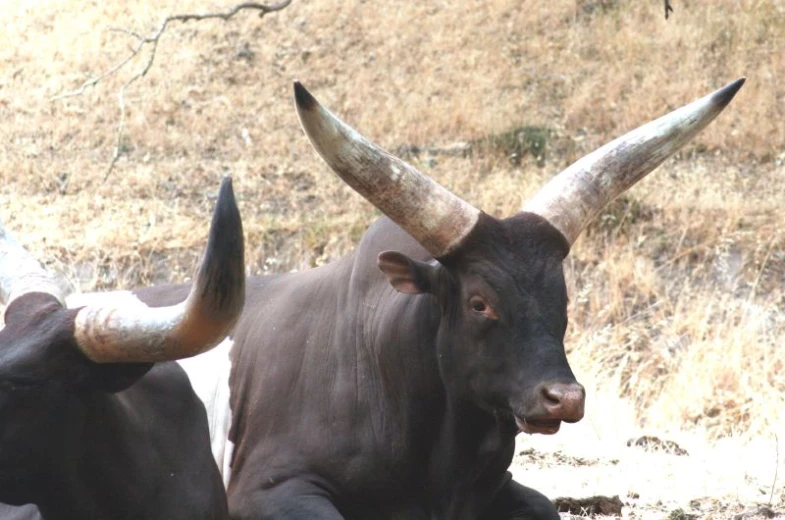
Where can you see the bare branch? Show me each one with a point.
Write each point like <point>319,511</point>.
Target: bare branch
<point>92,82</point>
<point>151,41</point>
<point>776,466</point>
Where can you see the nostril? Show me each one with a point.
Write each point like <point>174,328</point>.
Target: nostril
<point>552,394</point>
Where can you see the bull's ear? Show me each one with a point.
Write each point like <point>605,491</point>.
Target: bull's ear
<point>407,275</point>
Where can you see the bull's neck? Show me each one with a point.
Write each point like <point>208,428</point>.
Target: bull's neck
<point>476,431</point>
<point>67,489</point>
<point>470,460</point>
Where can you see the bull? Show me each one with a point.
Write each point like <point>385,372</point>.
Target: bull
<point>392,383</point>
<point>96,422</point>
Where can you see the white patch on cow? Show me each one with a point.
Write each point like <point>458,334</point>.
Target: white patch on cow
<point>209,375</point>
<point>113,298</point>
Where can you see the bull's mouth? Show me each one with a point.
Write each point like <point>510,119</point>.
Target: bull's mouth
<point>542,426</point>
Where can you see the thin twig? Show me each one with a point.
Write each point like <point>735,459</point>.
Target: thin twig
<point>153,40</point>
<point>766,258</point>
<point>668,9</point>
<point>94,81</point>
<point>776,466</point>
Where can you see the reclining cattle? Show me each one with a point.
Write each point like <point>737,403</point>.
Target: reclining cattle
<point>93,423</point>
<point>392,382</point>
<point>397,391</point>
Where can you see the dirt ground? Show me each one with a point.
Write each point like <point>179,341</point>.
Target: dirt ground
<point>677,291</point>
<point>672,476</point>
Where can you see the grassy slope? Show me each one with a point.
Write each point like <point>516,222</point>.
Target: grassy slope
<point>677,293</point>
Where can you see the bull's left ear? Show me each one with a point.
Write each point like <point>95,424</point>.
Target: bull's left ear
<point>407,275</point>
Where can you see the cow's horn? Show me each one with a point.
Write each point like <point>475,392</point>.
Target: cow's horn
<point>574,197</point>
<point>140,333</point>
<point>435,217</point>
<point>21,274</point>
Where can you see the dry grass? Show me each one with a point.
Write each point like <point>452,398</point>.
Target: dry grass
<point>677,291</point>
<point>681,304</point>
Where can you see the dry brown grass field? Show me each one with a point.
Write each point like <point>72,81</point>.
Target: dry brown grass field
<point>677,292</point>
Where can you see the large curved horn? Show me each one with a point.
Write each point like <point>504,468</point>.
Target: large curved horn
<point>143,334</point>
<point>574,197</point>
<point>435,217</point>
<point>21,274</point>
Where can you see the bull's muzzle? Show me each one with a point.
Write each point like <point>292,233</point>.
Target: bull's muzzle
<point>563,401</point>
<point>557,402</point>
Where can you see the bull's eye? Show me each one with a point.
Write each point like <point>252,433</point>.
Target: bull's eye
<point>480,306</point>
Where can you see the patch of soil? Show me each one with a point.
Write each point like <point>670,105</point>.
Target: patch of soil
<point>761,511</point>
<point>596,505</point>
<point>652,443</point>
<point>557,457</point>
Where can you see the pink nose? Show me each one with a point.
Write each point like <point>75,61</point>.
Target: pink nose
<point>563,401</point>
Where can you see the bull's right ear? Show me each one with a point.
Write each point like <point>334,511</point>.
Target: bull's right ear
<point>407,275</point>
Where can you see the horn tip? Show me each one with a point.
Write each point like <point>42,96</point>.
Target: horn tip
<point>303,98</point>
<point>226,214</point>
<point>226,187</point>
<point>226,197</point>
<point>226,227</point>
<point>724,95</point>
<point>222,271</point>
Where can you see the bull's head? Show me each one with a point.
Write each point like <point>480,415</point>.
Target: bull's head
<point>500,283</point>
<point>52,359</point>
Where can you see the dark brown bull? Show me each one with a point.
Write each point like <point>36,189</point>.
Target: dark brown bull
<point>90,428</point>
<point>392,382</point>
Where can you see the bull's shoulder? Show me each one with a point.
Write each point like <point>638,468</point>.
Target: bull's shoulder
<point>160,433</point>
